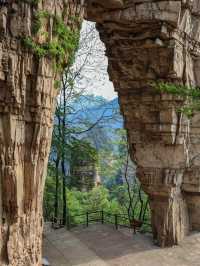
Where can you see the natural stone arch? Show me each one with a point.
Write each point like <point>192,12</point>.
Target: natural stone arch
<point>149,41</point>
<point>146,41</point>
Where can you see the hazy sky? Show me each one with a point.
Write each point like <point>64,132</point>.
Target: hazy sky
<point>95,77</point>
<point>106,90</point>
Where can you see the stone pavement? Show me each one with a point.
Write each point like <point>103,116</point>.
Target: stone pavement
<point>62,248</point>
<point>102,245</point>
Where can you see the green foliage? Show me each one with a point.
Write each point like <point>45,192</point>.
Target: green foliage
<point>57,84</point>
<point>190,96</point>
<point>63,46</point>
<point>67,40</point>
<point>113,157</point>
<point>82,151</point>
<point>99,198</point>
<point>38,21</point>
<point>49,198</point>
<point>39,50</point>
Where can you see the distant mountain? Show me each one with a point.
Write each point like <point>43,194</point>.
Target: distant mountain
<point>95,119</point>
<point>94,109</point>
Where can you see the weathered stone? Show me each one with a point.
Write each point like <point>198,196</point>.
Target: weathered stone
<point>27,102</point>
<point>85,175</point>
<point>148,41</point>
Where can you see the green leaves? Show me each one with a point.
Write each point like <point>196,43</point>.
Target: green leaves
<point>82,151</point>
<point>57,84</point>
<point>38,50</point>
<point>180,90</point>
<point>190,96</point>
<point>63,46</point>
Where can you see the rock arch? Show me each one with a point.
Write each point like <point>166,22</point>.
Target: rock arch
<point>146,40</point>
<point>149,41</point>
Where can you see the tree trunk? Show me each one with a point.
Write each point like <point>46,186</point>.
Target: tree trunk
<point>63,161</point>
<point>57,189</point>
<point>27,100</point>
<point>64,193</point>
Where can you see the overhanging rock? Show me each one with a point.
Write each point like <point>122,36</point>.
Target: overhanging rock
<point>149,41</point>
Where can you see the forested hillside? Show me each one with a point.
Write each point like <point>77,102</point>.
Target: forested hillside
<point>95,131</point>
<point>89,166</point>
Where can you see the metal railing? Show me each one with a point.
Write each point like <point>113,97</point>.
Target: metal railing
<point>103,217</point>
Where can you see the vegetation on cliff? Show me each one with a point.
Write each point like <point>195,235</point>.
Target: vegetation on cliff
<point>187,94</point>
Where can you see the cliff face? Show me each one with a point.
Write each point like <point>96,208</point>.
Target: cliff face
<point>148,41</point>
<point>27,100</point>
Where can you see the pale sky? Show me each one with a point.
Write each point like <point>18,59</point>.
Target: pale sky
<point>94,75</point>
<point>106,90</point>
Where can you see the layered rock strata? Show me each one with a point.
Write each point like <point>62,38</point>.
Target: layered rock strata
<point>148,41</point>
<point>27,101</point>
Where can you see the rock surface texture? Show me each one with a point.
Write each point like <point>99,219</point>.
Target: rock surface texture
<point>27,99</point>
<point>148,41</point>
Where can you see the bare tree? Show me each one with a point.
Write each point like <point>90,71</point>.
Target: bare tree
<point>73,102</point>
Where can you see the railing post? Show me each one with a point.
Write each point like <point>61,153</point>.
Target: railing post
<point>87,219</point>
<point>68,222</point>
<point>116,222</point>
<point>52,222</point>
<point>102,217</point>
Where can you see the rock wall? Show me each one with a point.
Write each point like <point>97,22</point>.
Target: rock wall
<point>84,176</point>
<point>148,41</point>
<point>27,101</point>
